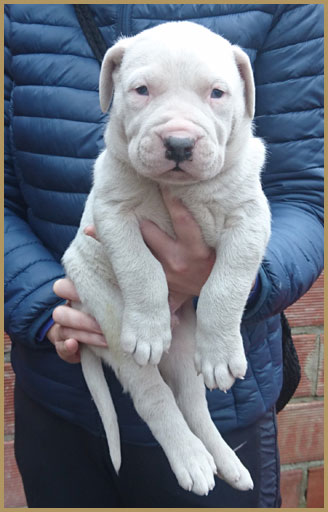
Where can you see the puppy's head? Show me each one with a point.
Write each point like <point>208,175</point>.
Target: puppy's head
<point>182,95</point>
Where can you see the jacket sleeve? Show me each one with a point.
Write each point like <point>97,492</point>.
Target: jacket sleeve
<point>289,117</point>
<point>30,269</point>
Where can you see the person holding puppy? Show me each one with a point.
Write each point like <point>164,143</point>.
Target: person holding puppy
<point>54,134</point>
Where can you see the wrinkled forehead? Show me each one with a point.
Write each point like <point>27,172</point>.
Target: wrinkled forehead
<point>186,55</point>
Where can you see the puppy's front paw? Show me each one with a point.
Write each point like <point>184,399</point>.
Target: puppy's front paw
<point>146,336</point>
<point>220,361</point>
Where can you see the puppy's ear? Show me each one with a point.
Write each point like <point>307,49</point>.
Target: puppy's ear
<point>112,59</point>
<point>246,73</point>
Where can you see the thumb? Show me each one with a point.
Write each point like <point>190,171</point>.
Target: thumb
<point>90,231</point>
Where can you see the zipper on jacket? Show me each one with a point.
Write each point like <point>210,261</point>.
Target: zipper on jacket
<point>124,20</point>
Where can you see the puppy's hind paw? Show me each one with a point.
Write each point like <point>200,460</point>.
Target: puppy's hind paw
<point>194,468</point>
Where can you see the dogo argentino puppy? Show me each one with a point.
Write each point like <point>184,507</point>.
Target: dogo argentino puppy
<point>181,117</point>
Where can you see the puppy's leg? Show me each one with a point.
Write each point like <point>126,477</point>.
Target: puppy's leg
<point>178,370</point>
<point>145,330</point>
<point>220,354</point>
<point>153,399</point>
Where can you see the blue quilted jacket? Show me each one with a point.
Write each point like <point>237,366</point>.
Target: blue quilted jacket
<point>54,131</point>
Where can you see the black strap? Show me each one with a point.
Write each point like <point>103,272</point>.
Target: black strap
<point>291,366</point>
<point>92,33</point>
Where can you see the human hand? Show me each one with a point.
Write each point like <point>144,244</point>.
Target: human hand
<point>187,260</point>
<point>71,326</point>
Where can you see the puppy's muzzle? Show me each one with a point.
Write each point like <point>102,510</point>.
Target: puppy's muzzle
<point>179,149</point>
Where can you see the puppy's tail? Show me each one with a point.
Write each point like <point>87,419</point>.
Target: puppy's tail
<point>98,387</point>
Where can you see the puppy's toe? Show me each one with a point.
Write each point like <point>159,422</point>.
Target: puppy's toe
<point>142,353</point>
<point>198,362</point>
<point>128,341</point>
<point>245,482</point>
<point>208,374</point>
<point>238,365</point>
<point>156,353</point>
<point>167,341</point>
<point>184,479</point>
<point>202,484</point>
<point>223,378</point>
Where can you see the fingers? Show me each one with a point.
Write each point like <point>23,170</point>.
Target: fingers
<point>90,338</point>
<point>187,231</point>
<point>176,300</point>
<point>186,260</point>
<point>67,341</point>
<point>185,227</point>
<point>158,241</point>
<point>69,317</point>
<point>77,325</point>
<point>65,289</point>
<point>90,231</point>
<point>68,350</point>
<point>72,327</point>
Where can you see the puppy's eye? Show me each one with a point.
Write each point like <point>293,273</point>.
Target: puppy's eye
<point>142,90</point>
<point>216,93</point>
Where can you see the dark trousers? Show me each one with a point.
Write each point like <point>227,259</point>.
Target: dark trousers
<point>62,465</point>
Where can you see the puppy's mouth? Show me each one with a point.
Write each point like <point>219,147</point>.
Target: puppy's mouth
<point>177,174</point>
<point>177,169</point>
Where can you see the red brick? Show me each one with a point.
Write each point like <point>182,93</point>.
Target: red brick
<point>315,489</point>
<point>9,399</point>
<point>7,342</point>
<point>290,487</point>
<point>308,354</point>
<point>14,492</point>
<point>300,432</point>
<point>320,385</point>
<point>308,310</point>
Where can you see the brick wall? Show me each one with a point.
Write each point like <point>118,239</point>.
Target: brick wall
<point>300,423</point>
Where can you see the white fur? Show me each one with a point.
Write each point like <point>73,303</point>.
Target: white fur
<point>121,283</point>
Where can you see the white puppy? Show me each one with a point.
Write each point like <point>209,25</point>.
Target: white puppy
<point>181,117</point>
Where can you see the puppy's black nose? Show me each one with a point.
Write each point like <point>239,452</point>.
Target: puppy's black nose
<point>178,148</point>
